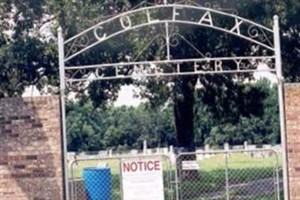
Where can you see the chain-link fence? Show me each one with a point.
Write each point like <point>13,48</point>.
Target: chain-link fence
<point>108,178</point>
<point>229,175</point>
<point>215,175</point>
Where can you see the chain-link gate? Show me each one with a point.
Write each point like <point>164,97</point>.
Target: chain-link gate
<point>219,175</point>
<point>229,175</point>
<point>101,178</point>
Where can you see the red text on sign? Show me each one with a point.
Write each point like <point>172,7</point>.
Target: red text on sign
<point>141,166</point>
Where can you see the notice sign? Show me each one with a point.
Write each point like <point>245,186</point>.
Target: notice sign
<point>142,179</point>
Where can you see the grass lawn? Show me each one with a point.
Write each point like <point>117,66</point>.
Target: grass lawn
<point>235,161</point>
<point>114,166</point>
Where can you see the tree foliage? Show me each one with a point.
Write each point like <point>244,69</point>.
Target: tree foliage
<point>91,128</point>
<point>121,128</point>
<point>26,57</point>
<point>259,126</point>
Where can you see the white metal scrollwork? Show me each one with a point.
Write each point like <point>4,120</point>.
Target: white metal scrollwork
<point>207,17</point>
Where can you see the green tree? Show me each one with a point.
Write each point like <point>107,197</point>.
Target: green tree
<point>122,128</point>
<point>26,58</point>
<point>86,127</point>
<point>260,126</point>
<point>119,128</point>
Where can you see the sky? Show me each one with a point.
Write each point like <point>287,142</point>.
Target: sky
<point>126,95</point>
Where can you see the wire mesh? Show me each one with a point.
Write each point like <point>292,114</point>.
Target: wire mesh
<point>229,175</point>
<point>101,179</point>
<point>215,175</point>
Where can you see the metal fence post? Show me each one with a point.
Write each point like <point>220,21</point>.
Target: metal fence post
<point>277,182</point>
<point>120,180</point>
<point>176,177</point>
<point>227,176</point>
<point>63,112</point>
<point>281,105</point>
<point>73,181</point>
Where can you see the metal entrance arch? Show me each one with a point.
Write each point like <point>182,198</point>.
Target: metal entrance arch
<point>267,38</point>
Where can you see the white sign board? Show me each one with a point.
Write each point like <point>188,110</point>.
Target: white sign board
<point>190,165</point>
<point>142,179</point>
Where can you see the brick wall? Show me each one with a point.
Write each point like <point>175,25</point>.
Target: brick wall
<point>292,109</point>
<point>30,149</point>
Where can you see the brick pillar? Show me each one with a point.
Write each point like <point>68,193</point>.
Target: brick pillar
<point>30,149</point>
<point>292,109</point>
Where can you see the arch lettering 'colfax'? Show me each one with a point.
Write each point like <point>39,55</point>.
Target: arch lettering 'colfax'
<point>146,16</point>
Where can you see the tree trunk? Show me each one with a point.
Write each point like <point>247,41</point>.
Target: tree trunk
<point>184,122</point>
<point>184,114</point>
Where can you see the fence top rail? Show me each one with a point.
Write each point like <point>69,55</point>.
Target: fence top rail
<point>120,157</point>
<point>232,151</point>
<point>229,151</point>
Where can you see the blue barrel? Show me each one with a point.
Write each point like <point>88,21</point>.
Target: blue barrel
<point>97,183</point>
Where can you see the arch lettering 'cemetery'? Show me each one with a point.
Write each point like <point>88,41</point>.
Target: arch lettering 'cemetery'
<point>171,68</point>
